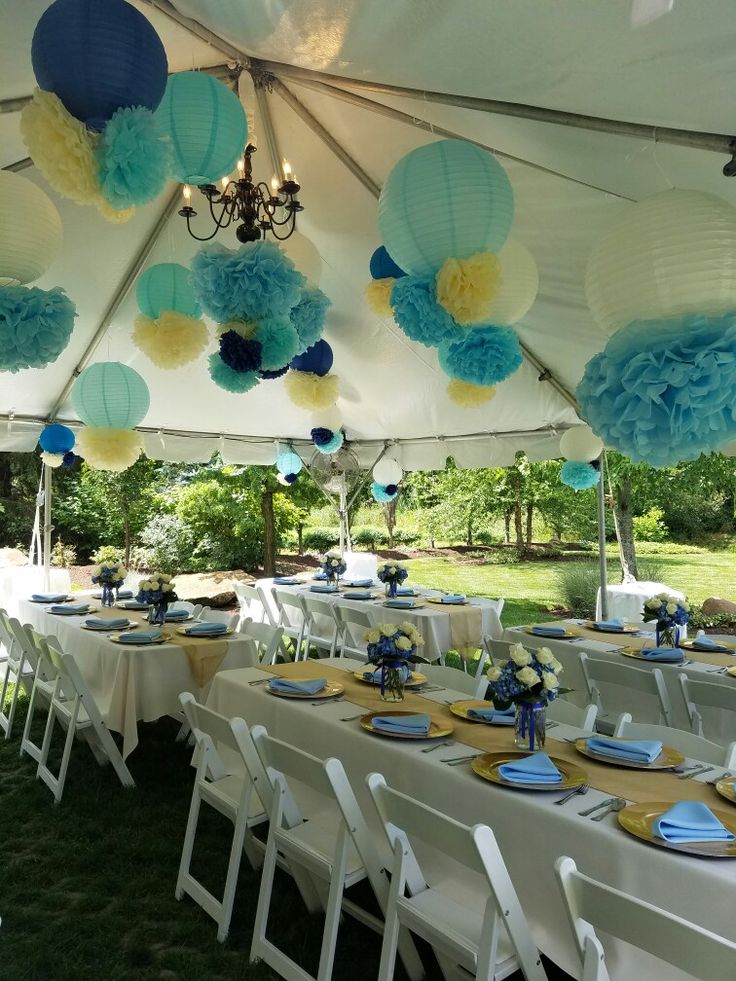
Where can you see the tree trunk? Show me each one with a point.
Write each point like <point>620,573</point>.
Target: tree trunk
<point>126,526</point>
<point>624,523</point>
<point>518,520</point>
<point>389,516</point>
<point>469,535</point>
<point>269,536</point>
<point>529,521</point>
<point>507,525</point>
<point>300,539</point>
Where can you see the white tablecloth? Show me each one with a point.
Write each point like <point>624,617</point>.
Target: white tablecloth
<point>626,600</point>
<point>130,683</point>
<point>432,622</point>
<point>531,831</point>
<point>17,582</point>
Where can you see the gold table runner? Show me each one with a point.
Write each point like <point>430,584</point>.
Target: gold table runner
<point>466,625</point>
<point>205,655</point>
<point>635,785</point>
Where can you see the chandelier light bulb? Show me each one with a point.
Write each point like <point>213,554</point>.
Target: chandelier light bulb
<point>274,184</point>
<point>187,192</point>
<point>224,182</point>
<point>241,166</point>
<point>287,170</point>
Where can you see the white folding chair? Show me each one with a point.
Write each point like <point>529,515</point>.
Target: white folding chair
<point>290,618</point>
<point>250,601</point>
<point>592,905</point>
<point>560,710</point>
<point>490,940</point>
<point>219,616</point>
<point>352,626</point>
<point>229,790</point>
<point>268,602</point>
<point>266,637</point>
<point>498,650</point>
<point>474,685</point>
<point>18,668</point>
<point>44,683</point>
<point>193,609</point>
<point>647,681</point>
<point>688,743</point>
<point>76,710</point>
<point>321,633</point>
<point>706,694</point>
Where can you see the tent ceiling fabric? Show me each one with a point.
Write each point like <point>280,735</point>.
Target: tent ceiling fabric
<point>576,55</point>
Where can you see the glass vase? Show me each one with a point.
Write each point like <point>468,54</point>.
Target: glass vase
<point>108,594</point>
<point>393,675</point>
<point>157,613</point>
<point>530,726</point>
<point>668,635</point>
<point>391,590</point>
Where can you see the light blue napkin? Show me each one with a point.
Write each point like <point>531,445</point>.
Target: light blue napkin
<point>140,637</point>
<point>537,768</point>
<point>359,594</point>
<point>206,627</point>
<point>99,623</point>
<point>406,591</point>
<point>634,750</point>
<point>549,631</point>
<point>374,677</point>
<point>690,821</point>
<point>319,575</point>
<point>357,582</point>
<point>48,597</point>
<point>494,715</point>
<point>400,604</point>
<point>135,605</point>
<point>410,725</point>
<point>706,644</point>
<point>70,609</point>
<point>125,593</point>
<point>173,615</point>
<point>286,581</point>
<point>453,599</point>
<point>609,625</point>
<point>323,589</point>
<point>665,655</point>
<point>297,687</point>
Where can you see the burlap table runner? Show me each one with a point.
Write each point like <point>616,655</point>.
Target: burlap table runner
<point>466,625</point>
<point>205,654</point>
<point>635,785</point>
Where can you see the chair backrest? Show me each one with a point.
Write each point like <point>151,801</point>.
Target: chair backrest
<point>282,763</point>
<point>219,616</point>
<point>405,820</point>
<point>69,683</point>
<point>7,638</point>
<point>353,625</point>
<point>267,639</point>
<point>592,905</point>
<point>251,603</point>
<point>268,603</point>
<point>705,694</point>
<point>26,641</point>
<point>498,650</point>
<point>687,743</point>
<point>289,606</point>
<point>647,680</point>
<point>314,606</point>
<point>560,710</point>
<point>194,609</point>
<point>209,728</point>
<point>454,678</point>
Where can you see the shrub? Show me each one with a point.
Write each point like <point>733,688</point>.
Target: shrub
<point>405,536</point>
<point>699,621</point>
<point>577,587</point>
<point>485,537</point>
<point>650,570</point>
<point>650,527</point>
<point>107,553</point>
<point>370,537</point>
<point>63,556</point>
<point>691,515</point>
<point>320,539</point>
<point>167,545</point>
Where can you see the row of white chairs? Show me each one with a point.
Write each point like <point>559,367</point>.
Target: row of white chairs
<point>318,833</point>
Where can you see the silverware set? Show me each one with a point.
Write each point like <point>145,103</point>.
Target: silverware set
<point>607,806</point>
<point>696,771</point>
<point>444,742</point>
<point>582,789</point>
<point>328,701</point>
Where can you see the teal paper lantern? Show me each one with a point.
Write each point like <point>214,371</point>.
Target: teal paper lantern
<point>166,286</point>
<point>288,462</point>
<point>448,199</point>
<point>111,395</point>
<point>206,124</point>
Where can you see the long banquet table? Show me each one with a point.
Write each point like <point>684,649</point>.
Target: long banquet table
<point>130,683</point>
<point>531,831</point>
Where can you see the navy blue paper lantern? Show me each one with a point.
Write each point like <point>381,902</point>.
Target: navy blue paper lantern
<point>317,359</point>
<point>98,57</point>
<point>56,439</point>
<point>383,266</point>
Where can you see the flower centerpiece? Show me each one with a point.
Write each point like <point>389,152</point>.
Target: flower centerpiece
<point>158,591</point>
<point>670,614</point>
<point>391,648</point>
<point>333,566</point>
<point>111,576</point>
<point>529,680</point>
<point>392,574</point>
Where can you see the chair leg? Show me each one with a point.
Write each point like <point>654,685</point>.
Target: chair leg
<point>233,868</point>
<point>188,847</point>
<point>390,931</point>
<point>332,913</point>
<point>264,900</point>
<point>26,744</point>
<point>113,754</point>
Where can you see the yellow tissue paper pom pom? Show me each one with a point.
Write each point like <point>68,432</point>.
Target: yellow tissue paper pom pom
<point>378,296</point>
<point>246,328</point>
<point>469,396</point>
<point>111,214</point>
<point>52,460</point>
<point>309,391</point>
<point>108,449</point>
<point>172,340</point>
<point>466,288</point>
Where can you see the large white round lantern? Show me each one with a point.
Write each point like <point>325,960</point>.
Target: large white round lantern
<point>303,253</point>
<point>387,471</point>
<point>580,443</point>
<point>671,254</point>
<point>30,230</point>
<point>519,284</point>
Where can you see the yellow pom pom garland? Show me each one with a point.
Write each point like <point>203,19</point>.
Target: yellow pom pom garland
<point>172,340</point>
<point>310,391</point>
<point>466,288</point>
<point>378,296</point>
<point>469,396</point>
<point>109,449</point>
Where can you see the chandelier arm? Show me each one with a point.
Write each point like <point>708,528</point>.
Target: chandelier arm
<point>283,238</point>
<point>200,238</point>
<point>219,222</point>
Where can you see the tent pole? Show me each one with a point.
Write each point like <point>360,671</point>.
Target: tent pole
<point>197,29</point>
<point>47,527</point>
<point>260,84</point>
<point>343,515</point>
<point>603,571</point>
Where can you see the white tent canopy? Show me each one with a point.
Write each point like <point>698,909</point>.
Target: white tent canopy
<point>589,57</point>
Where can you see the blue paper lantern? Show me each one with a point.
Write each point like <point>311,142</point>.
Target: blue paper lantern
<point>206,124</point>
<point>166,286</point>
<point>317,359</point>
<point>98,57</point>
<point>111,395</point>
<point>56,439</point>
<point>288,462</point>
<point>383,266</point>
<point>446,199</point>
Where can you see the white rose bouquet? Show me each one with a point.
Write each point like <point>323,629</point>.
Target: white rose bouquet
<point>670,614</point>
<point>109,575</point>
<point>392,574</point>
<point>528,676</point>
<point>391,647</point>
<point>333,565</point>
<point>158,590</point>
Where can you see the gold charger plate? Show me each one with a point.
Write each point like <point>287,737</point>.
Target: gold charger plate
<point>101,630</point>
<point>628,628</point>
<point>727,788</point>
<point>689,645</point>
<point>417,678</point>
<point>414,606</point>
<point>461,709</point>
<point>667,759</point>
<point>438,601</point>
<point>636,654</point>
<point>67,599</point>
<point>329,691</point>
<point>566,636</point>
<point>637,819</point>
<point>731,672</point>
<point>83,613</point>
<point>487,765</point>
<point>436,729</point>
<point>115,638</point>
<point>220,633</point>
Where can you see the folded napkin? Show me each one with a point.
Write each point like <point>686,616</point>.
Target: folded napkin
<point>135,605</point>
<point>666,655</point>
<point>537,768</point>
<point>549,631</point>
<point>205,627</point>
<point>173,615</point>
<point>357,582</point>
<point>319,575</point>
<point>494,715</point>
<point>633,750</point>
<point>374,677</point>
<point>406,591</point>
<point>100,623</point>
<point>323,589</point>
<point>297,687</point>
<point>453,599</point>
<point>706,644</point>
<point>71,609</point>
<point>49,597</point>
<point>286,581</point>
<point>400,604</point>
<point>359,594</point>
<point>690,821</point>
<point>615,625</point>
<point>410,725</point>
<point>125,594</point>
<point>141,637</point>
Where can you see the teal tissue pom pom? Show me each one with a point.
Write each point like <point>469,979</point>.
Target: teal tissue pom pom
<point>279,343</point>
<point>308,317</point>
<point>35,326</point>
<point>483,356</point>
<point>579,476</point>
<point>134,158</point>
<point>419,314</point>
<point>381,493</point>
<point>332,445</point>
<point>232,381</point>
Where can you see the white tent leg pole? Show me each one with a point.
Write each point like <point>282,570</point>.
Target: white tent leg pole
<point>47,528</point>
<point>343,515</point>
<point>603,570</point>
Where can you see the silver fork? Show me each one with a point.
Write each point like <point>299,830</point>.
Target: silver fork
<point>582,789</point>
<point>590,810</point>
<point>328,701</point>
<point>613,808</point>
<point>715,780</point>
<point>352,718</point>
<point>696,773</point>
<point>445,742</point>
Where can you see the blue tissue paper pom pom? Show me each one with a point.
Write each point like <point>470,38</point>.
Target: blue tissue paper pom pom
<point>381,493</point>
<point>253,282</point>
<point>232,381</point>
<point>418,313</point>
<point>279,342</point>
<point>56,438</point>
<point>134,158</point>
<point>383,266</point>
<point>277,373</point>
<point>35,326</point>
<point>392,489</point>
<point>332,445</point>
<point>663,391</point>
<point>579,476</point>
<point>321,435</point>
<point>290,478</point>
<point>483,356</point>
<point>69,459</point>
<point>308,317</point>
<point>240,353</point>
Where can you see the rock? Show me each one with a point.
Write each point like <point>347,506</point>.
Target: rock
<point>714,606</point>
<point>210,588</point>
<point>12,557</point>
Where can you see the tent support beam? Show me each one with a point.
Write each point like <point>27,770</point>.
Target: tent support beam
<point>603,569</point>
<point>19,165</point>
<point>197,29</point>
<point>124,287</point>
<point>261,85</point>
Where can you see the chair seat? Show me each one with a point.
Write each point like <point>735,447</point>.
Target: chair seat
<point>224,795</point>
<point>314,842</point>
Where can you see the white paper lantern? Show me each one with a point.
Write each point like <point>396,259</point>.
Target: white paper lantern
<point>330,418</point>
<point>303,253</point>
<point>30,230</point>
<point>519,284</point>
<point>580,443</point>
<point>387,471</point>
<point>673,253</point>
